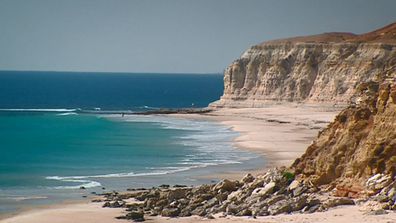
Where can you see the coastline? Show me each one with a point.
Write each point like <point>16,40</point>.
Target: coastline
<point>278,133</point>
<point>289,128</point>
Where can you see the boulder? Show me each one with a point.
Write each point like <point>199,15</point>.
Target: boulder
<point>113,204</point>
<point>299,190</point>
<point>260,209</point>
<point>337,202</point>
<point>183,201</point>
<point>176,194</point>
<point>392,194</point>
<point>212,202</point>
<point>226,185</point>
<point>185,212</point>
<point>170,212</point>
<point>135,216</point>
<point>206,196</point>
<point>200,211</point>
<point>179,186</point>
<point>174,204</point>
<point>293,185</point>
<point>299,203</point>
<point>232,209</point>
<point>244,212</point>
<point>235,195</point>
<point>378,182</point>
<point>273,199</point>
<point>311,209</point>
<point>134,206</point>
<point>150,202</point>
<point>201,189</point>
<point>97,200</point>
<point>258,182</point>
<point>377,212</point>
<point>280,207</point>
<point>222,197</point>
<point>267,189</point>
<point>162,203</point>
<point>248,178</point>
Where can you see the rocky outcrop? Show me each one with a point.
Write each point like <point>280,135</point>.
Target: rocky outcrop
<point>272,193</point>
<point>322,68</point>
<point>356,152</point>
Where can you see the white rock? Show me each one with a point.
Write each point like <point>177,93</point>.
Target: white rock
<point>378,181</point>
<point>293,185</point>
<point>267,189</point>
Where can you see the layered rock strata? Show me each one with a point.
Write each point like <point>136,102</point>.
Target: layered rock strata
<point>322,68</point>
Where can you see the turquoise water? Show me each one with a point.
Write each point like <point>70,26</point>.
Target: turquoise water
<point>47,155</point>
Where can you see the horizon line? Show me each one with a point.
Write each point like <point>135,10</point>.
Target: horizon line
<point>112,72</point>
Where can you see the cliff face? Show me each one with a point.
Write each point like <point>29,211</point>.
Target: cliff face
<point>360,143</point>
<point>322,68</point>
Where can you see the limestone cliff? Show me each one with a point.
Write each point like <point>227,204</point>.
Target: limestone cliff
<point>321,68</point>
<point>360,143</point>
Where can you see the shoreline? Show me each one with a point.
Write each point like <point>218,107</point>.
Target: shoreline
<point>278,133</point>
<point>250,124</point>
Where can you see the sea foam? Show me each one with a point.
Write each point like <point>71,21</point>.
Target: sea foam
<point>210,143</point>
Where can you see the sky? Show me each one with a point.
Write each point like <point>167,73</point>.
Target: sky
<point>165,36</point>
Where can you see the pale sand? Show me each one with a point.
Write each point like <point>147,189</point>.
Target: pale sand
<point>349,214</point>
<point>93,213</point>
<point>261,132</point>
<point>70,213</point>
<point>279,133</point>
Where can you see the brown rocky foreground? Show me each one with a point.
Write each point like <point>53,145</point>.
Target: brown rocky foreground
<point>273,193</point>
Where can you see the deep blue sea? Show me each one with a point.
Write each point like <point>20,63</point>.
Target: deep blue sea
<point>108,91</point>
<point>50,146</point>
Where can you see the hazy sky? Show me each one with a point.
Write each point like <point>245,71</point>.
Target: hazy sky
<point>165,35</point>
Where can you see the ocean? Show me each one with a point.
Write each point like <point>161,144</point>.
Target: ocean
<point>51,145</point>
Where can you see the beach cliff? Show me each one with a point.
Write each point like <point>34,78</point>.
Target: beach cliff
<point>323,68</point>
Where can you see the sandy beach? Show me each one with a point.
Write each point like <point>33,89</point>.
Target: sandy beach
<point>94,213</point>
<point>279,133</point>
<point>68,213</point>
<point>350,214</point>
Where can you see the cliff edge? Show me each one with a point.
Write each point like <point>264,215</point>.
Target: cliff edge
<point>358,144</point>
<point>323,68</point>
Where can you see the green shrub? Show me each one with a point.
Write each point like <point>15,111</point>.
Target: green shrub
<point>289,176</point>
